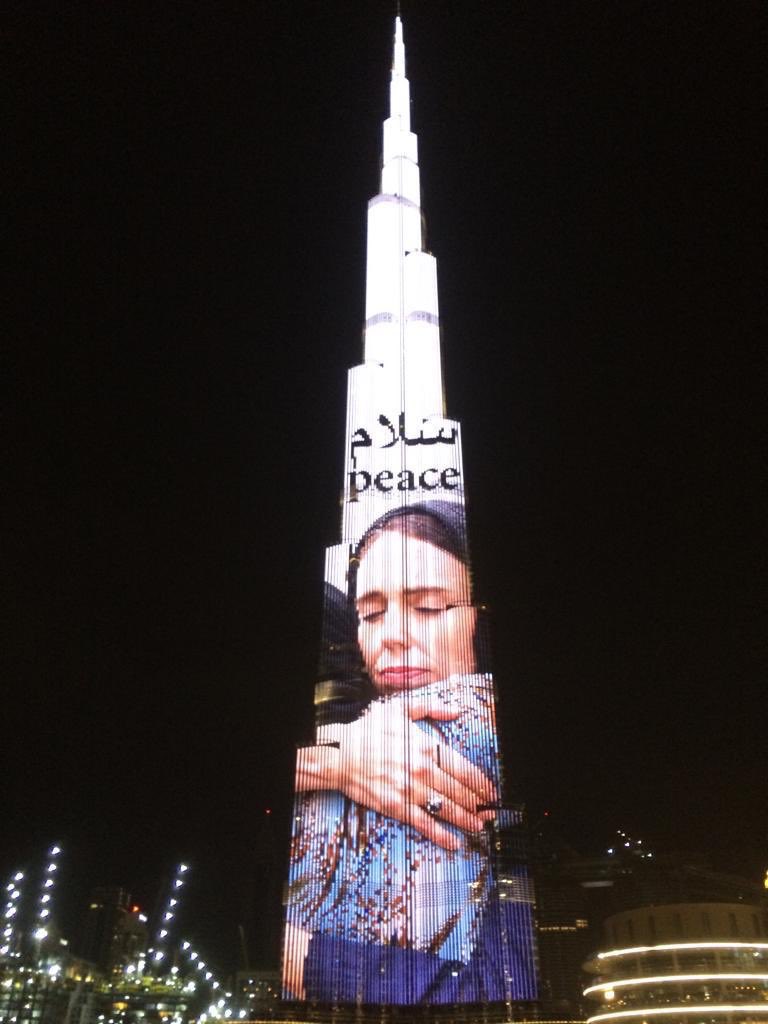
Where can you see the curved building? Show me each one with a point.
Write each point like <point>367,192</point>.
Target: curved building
<point>683,963</point>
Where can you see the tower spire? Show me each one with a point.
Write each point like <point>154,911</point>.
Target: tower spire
<point>398,60</point>
<point>399,91</point>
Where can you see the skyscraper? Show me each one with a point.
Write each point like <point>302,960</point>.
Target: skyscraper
<point>408,880</point>
<point>114,932</point>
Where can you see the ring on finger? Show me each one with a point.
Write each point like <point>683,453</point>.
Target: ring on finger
<point>433,804</point>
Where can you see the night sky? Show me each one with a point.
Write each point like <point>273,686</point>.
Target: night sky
<point>188,186</point>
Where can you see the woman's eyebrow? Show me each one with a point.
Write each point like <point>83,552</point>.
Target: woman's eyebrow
<point>379,595</point>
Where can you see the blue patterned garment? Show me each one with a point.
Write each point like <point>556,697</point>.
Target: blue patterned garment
<point>358,876</point>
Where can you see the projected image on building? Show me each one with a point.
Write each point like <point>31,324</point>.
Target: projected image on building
<point>407,880</point>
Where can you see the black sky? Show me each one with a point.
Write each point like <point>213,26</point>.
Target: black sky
<point>187,209</point>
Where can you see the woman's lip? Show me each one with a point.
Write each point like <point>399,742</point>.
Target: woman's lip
<point>402,672</point>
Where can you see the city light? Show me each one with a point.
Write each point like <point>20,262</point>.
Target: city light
<point>193,958</point>
<point>671,946</point>
<point>168,914</point>
<point>11,910</point>
<point>46,889</point>
<point>707,1008</point>
<point>629,844</point>
<point>663,978</point>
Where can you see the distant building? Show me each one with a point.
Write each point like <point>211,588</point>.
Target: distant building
<point>257,992</point>
<point>565,922</point>
<point>576,894</point>
<point>98,937</point>
<point>114,932</point>
<point>50,991</point>
<point>682,962</point>
<point>564,941</point>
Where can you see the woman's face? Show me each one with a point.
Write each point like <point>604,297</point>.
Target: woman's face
<point>416,623</point>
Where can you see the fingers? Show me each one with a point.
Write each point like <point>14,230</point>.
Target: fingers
<point>463,771</point>
<point>432,829</point>
<point>454,813</point>
<point>467,778</point>
<point>389,764</point>
<point>296,947</point>
<point>437,780</point>
<point>416,709</point>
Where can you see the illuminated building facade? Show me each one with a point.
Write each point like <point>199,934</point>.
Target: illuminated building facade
<point>408,878</point>
<point>682,963</point>
<point>112,977</point>
<point>576,894</point>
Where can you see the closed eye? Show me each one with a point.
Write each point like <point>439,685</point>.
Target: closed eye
<point>371,616</point>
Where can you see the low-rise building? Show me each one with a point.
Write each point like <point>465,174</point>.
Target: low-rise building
<point>682,963</point>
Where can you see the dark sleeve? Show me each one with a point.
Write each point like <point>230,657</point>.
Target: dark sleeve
<point>503,964</point>
<point>337,970</point>
<point>501,967</point>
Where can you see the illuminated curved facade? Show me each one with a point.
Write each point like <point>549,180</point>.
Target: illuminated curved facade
<point>408,879</point>
<point>683,963</point>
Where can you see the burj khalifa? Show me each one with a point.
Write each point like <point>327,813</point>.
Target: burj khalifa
<point>408,882</point>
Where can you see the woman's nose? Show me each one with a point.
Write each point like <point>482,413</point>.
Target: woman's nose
<point>395,626</point>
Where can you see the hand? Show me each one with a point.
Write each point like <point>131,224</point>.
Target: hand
<point>295,949</point>
<point>385,762</point>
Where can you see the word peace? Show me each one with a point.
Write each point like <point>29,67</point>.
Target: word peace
<point>405,480</point>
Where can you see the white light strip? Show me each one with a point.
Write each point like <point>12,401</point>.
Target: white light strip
<point>655,979</point>
<point>169,913</point>
<point>682,945</point>
<point>42,920</point>
<point>707,1008</point>
<point>13,888</point>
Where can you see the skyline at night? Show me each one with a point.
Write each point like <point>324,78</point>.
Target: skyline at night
<point>189,225</point>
